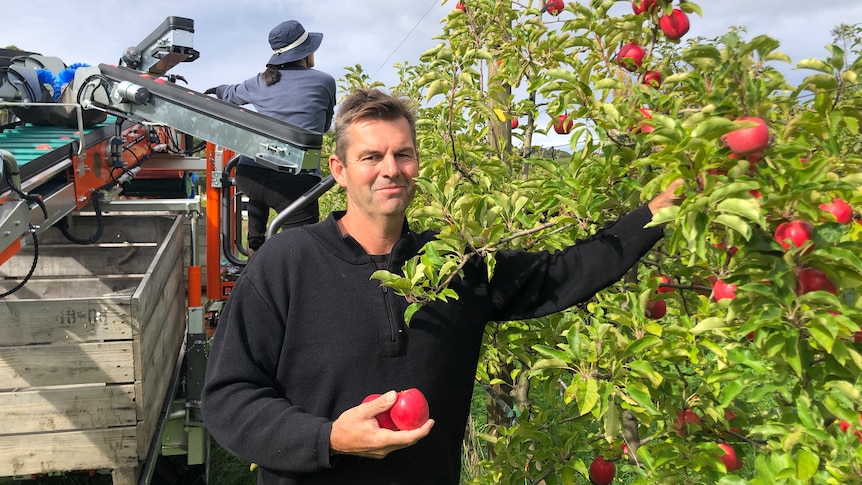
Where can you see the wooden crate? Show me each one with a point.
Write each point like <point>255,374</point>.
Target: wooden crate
<point>89,344</point>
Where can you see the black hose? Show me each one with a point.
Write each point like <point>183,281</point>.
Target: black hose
<point>32,267</point>
<point>63,225</point>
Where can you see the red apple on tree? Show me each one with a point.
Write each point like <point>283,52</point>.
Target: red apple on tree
<point>602,471</point>
<point>841,210</point>
<point>812,279</point>
<point>460,6</point>
<point>665,289</point>
<point>631,56</point>
<point>729,458</point>
<point>514,123</point>
<point>745,141</point>
<point>554,7</point>
<point>674,25</point>
<point>410,410</point>
<point>656,309</point>
<point>845,426</point>
<point>685,418</point>
<point>563,127</point>
<point>722,290</point>
<point>652,78</point>
<point>796,232</point>
<point>641,6</point>
<point>383,419</point>
<point>645,128</point>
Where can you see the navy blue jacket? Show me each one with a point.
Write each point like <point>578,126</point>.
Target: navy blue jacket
<point>306,334</point>
<point>304,97</point>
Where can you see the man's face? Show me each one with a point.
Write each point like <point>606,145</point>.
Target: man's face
<point>382,163</point>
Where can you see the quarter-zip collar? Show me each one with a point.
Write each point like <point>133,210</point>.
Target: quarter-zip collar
<point>347,249</point>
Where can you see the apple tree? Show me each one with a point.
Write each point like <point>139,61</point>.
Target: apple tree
<point>727,355</point>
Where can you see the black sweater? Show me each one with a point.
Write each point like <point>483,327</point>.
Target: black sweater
<point>306,334</point>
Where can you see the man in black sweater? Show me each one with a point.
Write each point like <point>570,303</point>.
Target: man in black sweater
<point>306,335</point>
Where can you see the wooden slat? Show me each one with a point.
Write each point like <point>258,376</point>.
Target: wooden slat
<point>36,321</point>
<point>83,260</point>
<point>160,341</point>
<point>68,451</point>
<point>51,365</point>
<point>67,409</point>
<point>62,288</point>
<point>148,296</point>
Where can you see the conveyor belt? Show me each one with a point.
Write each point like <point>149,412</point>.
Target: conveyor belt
<point>37,148</point>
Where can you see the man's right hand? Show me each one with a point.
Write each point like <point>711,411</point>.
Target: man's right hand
<point>357,432</point>
<point>211,91</point>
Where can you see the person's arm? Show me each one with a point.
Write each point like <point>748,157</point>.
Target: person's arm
<point>241,405</point>
<point>528,285</point>
<point>243,93</point>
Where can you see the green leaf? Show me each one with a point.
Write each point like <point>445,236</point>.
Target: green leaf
<point>612,420</point>
<point>712,128</point>
<point>588,396</point>
<point>643,368</point>
<point>608,83</point>
<point>551,352</point>
<point>707,324</point>
<point>747,208</point>
<point>806,464</point>
<point>735,223</point>
<point>777,56</point>
<point>410,311</point>
<point>846,389</point>
<point>822,81</point>
<point>640,394</point>
<point>439,86</point>
<point>640,346</point>
<point>816,65</point>
<point>550,364</point>
<point>702,52</point>
<point>562,74</point>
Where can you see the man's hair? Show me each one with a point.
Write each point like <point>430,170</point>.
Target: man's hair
<point>367,105</point>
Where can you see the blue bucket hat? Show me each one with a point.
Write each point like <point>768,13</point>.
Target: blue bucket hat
<point>290,42</point>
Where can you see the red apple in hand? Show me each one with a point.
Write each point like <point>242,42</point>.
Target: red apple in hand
<point>722,290</point>
<point>641,6</point>
<point>554,7</point>
<point>796,231</point>
<point>656,309</point>
<point>383,419</point>
<point>674,25</point>
<point>410,410</point>
<point>729,458</point>
<point>812,279</point>
<point>631,56</point>
<point>652,78</point>
<point>602,471</point>
<point>841,210</point>
<point>563,127</point>
<point>745,141</point>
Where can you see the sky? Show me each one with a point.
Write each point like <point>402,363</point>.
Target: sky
<point>231,36</point>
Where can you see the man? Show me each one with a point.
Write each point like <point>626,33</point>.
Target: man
<point>306,335</point>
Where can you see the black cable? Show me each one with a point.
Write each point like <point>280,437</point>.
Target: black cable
<point>63,225</point>
<point>32,266</point>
